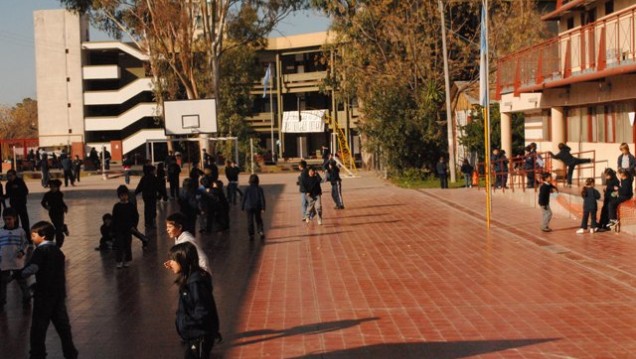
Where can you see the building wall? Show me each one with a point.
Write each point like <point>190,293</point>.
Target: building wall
<point>58,66</point>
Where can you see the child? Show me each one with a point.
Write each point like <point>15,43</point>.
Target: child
<point>590,196</point>
<point>313,194</point>
<point>53,201</point>
<point>149,190</point>
<point>302,167</point>
<point>13,249</point>
<point>125,220</point>
<point>197,318</point>
<point>107,233</point>
<point>161,182</point>
<point>611,181</point>
<point>621,194</point>
<point>17,192</point>
<point>336,184</point>
<point>253,205</point>
<point>544,200</point>
<point>47,264</point>
<point>176,229</point>
<point>232,173</point>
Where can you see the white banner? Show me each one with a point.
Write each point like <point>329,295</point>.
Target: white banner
<point>309,121</point>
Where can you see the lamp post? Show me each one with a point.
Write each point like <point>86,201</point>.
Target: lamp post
<point>449,116</point>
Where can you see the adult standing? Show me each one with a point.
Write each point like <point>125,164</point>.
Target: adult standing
<point>626,160</point>
<point>17,193</point>
<point>94,157</point>
<point>67,167</point>
<point>44,168</point>
<point>442,172</point>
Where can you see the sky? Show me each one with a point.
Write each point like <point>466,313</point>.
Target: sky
<point>17,54</point>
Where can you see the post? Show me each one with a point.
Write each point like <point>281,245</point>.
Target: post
<point>449,116</point>
<point>104,176</point>
<point>271,110</point>
<point>252,155</point>
<point>15,161</point>
<point>236,151</point>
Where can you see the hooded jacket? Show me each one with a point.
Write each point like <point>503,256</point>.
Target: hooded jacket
<point>197,315</point>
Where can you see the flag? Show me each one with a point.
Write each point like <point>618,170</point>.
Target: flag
<point>267,79</point>
<point>483,59</point>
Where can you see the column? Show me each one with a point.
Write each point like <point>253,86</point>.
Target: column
<point>557,131</point>
<point>506,133</point>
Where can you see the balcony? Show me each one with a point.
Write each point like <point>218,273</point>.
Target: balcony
<point>603,48</point>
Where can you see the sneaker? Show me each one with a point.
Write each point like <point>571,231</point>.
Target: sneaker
<point>144,244</point>
<point>612,223</point>
<point>593,230</point>
<point>66,231</point>
<point>120,265</point>
<point>546,229</point>
<point>320,221</point>
<point>307,220</point>
<point>580,231</point>
<point>262,235</point>
<point>127,264</point>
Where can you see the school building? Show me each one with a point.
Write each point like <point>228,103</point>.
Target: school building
<point>578,87</point>
<point>99,93</point>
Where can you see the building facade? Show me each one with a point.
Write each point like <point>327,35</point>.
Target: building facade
<point>94,94</point>
<point>576,88</point>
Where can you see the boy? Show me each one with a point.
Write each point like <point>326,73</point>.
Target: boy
<point>53,201</point>
<point>13,248</point>
<point>107,233</point>
<point>125,220</point>
<point>232,173</point>
<point>149,189</point>
<point>47,264</point>
<point>544,200</point>
<point>302,167</point>
<point>17,192</point>
<point>336,184</point>
<point>313,194</point>
<point>176,229</point>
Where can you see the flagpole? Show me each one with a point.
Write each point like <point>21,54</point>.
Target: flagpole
<point>271,110</point>
<point>449,116</point>
<point>486,109</point>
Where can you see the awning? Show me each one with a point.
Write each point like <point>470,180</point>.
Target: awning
<point>309,121</point>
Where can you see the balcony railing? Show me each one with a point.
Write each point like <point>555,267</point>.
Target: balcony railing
<point>590,52</point>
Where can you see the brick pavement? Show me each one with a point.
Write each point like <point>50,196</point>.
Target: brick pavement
<point>399,273</point>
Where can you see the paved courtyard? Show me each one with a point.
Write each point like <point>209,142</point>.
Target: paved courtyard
<point>397,274</point>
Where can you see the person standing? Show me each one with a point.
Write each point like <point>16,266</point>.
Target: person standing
<point>77,168</point>
<point>45,170</point>
<point>570,161</point>
<point>173,177</point>
<point>94,158</point>
<point>467,170</point>
<point>626,160</point>
<point>14,246</point>
<point>107,159</point>
<point>621,194</point>
<point>189,204</point>
<point>176,228</point>
<point>161,182</point>
<point>197,317</point>
<point>302,167</point>
<point>125,220</point>
<point>544,201</point>
<point>442,172</point>
<point>47,264</point>
<point>149,191</point>
<point>232,174</point>
<point>590,206</point>
<point>17,193</point>
<point>127,166</point>
<point>313,195</point>
<point>67,168</point>
<point>254,205</point>
<point>611,182</point>
<point>53,202</point>
<point>336,184</point>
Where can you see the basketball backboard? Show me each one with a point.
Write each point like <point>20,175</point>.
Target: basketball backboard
<point>187,117</point>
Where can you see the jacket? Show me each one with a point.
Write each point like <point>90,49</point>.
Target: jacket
<point>185,236</point>
<point>609,188</point>
<point>54,202</point>
<point>301,181</point>
<point>125,216</point>
<point>625,190</point>
<point>17,192</point>
<point>148,187</point>
<point>441,169</point>
<point>67,164</point>
<point>334,175</point>
<point>253,199</point>
<point>590,196</point>
<point>312,185</point>
<point>632,164</point>
<point>467,169</point>
<point>12,243</point>
<point>197,315</point>
<point>544,193</point>
<point>47,263</point>
<point>232,173</point>
<point>565,156</point>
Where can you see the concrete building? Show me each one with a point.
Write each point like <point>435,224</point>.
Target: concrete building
<point>576,88</point>
<point>94,94</point>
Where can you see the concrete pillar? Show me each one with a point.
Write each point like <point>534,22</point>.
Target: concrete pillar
<point>506,133</point>
<point>557,132</point>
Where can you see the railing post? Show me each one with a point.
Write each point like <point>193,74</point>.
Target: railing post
<point>602,56</point>
<point>567,66</point>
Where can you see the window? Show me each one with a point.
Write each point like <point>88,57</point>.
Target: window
<point>624,131</point>
<point>609,7</point>
<point>571,23</point>
<point>598,125</point>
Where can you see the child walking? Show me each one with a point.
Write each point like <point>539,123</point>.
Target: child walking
<point>125,220</point>
<point>313,194</point>
<point>14,246</point>
<point>197,317</point>
<point>53,201</point>
<point>253,205</point>
<point>49,305</point>
<point>590,206</point>
<point>544,200</point>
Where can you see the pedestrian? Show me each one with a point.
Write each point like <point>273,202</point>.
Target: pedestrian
<point>45,170</point>
<point>94,158</point>
<point>333,176</point>
<point>149,190</point>
<point>14,247</point>
<point>3,204</point>
<point>53,202</point>
<point>503,169</point>
<point>189,204</point>
<point>467,170</point>
<point>77,168</point>
<point>313,195</point>
<point>161,183</point>
<point>590,197</point>
<point>611,181</point>
<point>570,161</point>
<point>107,159</point>
<point>173,170</point>
<point>544,200</point>
<point>626,160</point>
<point>620,194</point>
<point>220,208</point>
<point>325,154</point>
<point>253,205</point>
<point>232,174</point>
<point>125,220</point>
<point>533,164</point>
<point>107,233</point>
<point>302,167</point>
<point>17,193</point>
<point>442,172</point>
<point>127,166</point>
<point>197,317</point>
<point>47,264</point>
<point>67,168</point>
<point>176,229</point>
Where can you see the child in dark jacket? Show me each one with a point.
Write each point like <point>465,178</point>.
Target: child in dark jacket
<point>590,206</point>
<point>313,194</point>
<point>197,317</point>
<point>253,205</point>
<point>107,232</point>
<point>544,200</point>
<point>125,220</point>
<point>611,181</point>
<point>53,201</point>
<point>47,263</point>
<point>149,189</point>
<point>621,194</point>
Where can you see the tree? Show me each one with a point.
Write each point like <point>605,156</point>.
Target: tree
<point>389,56</point>
<point>19,121</point>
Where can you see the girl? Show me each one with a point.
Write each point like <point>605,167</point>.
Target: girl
<point>197,318</point>
<point>621,194</point>
<point>590,196</point>
<point>253,205</point>
<point>626,160</point>
<point>611,181</point>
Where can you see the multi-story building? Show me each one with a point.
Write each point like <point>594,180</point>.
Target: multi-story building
<point>94,94</point>
<point>576,88</point>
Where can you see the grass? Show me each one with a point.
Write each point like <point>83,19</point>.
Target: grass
<point>430,182</point>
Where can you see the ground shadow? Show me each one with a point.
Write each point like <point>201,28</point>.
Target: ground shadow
<point>374,222</point>
<point>375,206</point>
<point>307,235</point>
<point>308,329</point>
<point>432,350</point>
